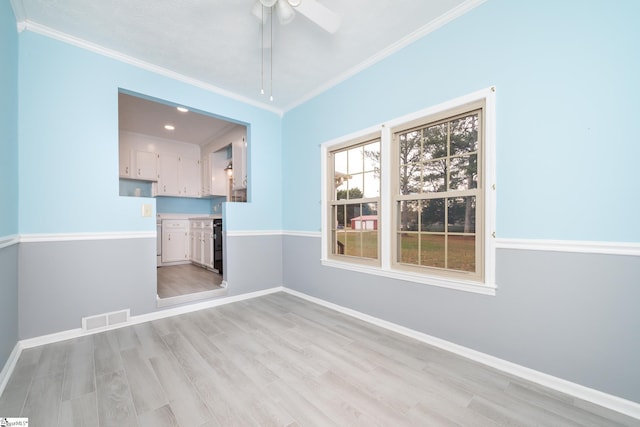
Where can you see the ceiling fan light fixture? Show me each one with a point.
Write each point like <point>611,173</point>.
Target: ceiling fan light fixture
<point>268,3</point>
<point>257,10</point>
<point>285,11</point>
<point>295,3</point>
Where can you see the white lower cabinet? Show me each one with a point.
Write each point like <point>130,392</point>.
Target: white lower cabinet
<point>175,240</point>
<point>201,242</point>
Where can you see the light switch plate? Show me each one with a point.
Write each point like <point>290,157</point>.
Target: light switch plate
<point>146,209</point>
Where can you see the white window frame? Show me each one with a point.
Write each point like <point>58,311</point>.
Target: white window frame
<point>361,141</point>
<point>385,267</point>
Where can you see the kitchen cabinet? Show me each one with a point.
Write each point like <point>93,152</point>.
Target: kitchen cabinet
<point>124,163</point>
<point>214,177</point>
<point>239,152</point>
<point>141,165</point>
<point>189,177</point>
<point>146,166</point>
<point>175,240</point>
<point>201,242</point>
<point>219,177</point>
<point>195,237</point>
<point>205,169</point>
<point>168,184</point>
<point>178,176</point>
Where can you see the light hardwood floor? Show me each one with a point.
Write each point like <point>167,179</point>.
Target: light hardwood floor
<point>276,360</point>
<point>176,280</point>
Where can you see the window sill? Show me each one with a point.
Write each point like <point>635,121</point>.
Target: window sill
<point>460,285</point>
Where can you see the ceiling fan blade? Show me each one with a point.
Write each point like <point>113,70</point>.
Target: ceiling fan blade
<point>320,15</point>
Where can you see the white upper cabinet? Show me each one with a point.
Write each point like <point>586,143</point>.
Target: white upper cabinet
<point>189,177</point>
<point>219,178</point>
<point>178,176</point>
<point>214,177</point>
<point>137,164</point>
<point>168,182</point>
<point>146,166</point>
<point>239,150</point>
<point>124,162</point>
<point>205,169</point>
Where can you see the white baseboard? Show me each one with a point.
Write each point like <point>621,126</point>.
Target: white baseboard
<point>606,400</point>
<point>9,367</point>
<point>183,299</point>
<point>141,318</point>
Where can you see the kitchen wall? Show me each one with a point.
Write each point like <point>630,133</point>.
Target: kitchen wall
<point>8,182</point>
<point>183,205</point>
<point>567,99</point>
<point>79,234</point>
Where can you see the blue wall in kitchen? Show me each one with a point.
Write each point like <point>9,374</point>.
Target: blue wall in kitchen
<point>183,205</point>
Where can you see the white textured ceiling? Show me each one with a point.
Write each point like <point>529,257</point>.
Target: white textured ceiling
<point>148,117</point>
<point>217,42</point>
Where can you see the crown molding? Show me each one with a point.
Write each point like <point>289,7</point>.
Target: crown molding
<point>121,57</point>
<point>21,16</point>
<point>430,27</point>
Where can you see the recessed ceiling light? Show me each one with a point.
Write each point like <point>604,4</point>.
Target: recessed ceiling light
<point>169,127</point>
<point>182,109</point>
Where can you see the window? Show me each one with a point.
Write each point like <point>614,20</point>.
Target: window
<point>354,200</point>
<point>414,198</point>
<point>438,194</point>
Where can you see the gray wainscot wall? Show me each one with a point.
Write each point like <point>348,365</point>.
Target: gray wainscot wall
<point>8,301</point>
<point>253,262</point>
<point>63,281</point>
<point>571,315</point>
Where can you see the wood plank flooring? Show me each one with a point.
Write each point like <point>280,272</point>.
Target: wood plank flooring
<point>276,360</point>
<point>176,280</point>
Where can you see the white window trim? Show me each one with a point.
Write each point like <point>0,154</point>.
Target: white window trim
<point>488,287</point>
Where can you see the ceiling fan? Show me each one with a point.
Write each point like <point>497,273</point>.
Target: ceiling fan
<point>311,9</point>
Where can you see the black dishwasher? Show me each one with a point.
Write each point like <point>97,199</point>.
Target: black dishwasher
<point>217,244</point>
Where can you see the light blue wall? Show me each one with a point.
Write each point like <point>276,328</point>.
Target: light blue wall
<point>68,124</point>
<point>8,181</point>
<point>68,174</point>
<point>183,205</point>
<point>568,96</point>
<point>8,122</point>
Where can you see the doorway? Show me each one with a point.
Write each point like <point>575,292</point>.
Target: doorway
<point>190,163</point>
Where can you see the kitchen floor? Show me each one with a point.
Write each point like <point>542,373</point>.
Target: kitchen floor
<point>177,280</point>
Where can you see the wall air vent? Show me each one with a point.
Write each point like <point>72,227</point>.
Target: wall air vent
<point>100,321</point>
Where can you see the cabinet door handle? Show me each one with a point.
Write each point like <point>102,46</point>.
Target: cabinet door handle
<point>126,170</point>
<point>139,172</point>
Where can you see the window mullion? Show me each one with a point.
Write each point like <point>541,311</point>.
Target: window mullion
<point>385,223</point>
